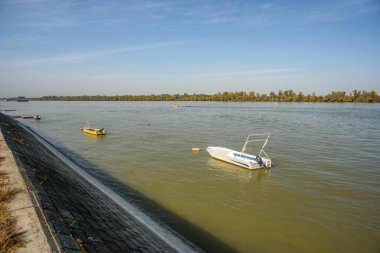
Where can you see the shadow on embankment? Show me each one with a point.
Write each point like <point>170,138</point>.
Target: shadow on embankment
<point>157,212</point>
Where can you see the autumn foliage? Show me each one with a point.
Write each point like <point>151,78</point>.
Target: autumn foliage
<point>355,96</point>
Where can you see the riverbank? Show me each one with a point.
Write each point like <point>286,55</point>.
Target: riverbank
<point>356,96</point>
<point>24,230</point>
<point>81,214</point>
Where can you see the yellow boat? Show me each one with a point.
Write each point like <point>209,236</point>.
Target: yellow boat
<point>94,131</point>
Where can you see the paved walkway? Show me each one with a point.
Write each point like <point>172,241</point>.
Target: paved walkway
<point>78,214</point>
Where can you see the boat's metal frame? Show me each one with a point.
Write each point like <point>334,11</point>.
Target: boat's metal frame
<point>251,138</point>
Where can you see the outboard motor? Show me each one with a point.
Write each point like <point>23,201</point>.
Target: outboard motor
<point>259,160</point>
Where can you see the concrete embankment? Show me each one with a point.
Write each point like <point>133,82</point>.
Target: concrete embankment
<point>78,212</point>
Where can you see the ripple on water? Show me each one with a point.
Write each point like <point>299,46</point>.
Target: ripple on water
<point>322,194</point>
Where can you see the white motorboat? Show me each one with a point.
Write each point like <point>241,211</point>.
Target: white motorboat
<point>242,159</point>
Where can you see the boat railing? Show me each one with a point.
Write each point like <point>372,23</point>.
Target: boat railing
<point>260,137</point>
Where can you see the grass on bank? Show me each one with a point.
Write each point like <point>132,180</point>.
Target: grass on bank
<point>10,239</point>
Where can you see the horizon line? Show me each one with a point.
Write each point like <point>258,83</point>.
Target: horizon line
<point>207,94</point>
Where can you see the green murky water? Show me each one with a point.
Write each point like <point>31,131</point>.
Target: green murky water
<point>322,194</point>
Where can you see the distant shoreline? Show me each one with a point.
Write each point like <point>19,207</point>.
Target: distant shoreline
<point>356,96</point>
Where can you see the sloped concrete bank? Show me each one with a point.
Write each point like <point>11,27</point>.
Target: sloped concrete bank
<point>78,211</point>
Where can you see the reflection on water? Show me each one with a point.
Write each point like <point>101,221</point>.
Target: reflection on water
<point>229,170</point>
<point>321,195</point>
<point>94,138</point>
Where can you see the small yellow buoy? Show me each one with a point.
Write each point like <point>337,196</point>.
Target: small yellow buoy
<point>195,149</point>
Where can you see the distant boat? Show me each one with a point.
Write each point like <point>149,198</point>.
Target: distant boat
<point>36,117</point>
<point>94,131</point>
<point>22,99</point>
<point>175,105</point>
<point>242,159</point>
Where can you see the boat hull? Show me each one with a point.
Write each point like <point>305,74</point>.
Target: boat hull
<point>237,158</point>
<point>94,131</point>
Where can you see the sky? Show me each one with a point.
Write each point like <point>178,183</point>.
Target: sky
<point>112,47</point>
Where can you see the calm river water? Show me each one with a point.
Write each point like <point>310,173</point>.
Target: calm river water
<point>322,194</point>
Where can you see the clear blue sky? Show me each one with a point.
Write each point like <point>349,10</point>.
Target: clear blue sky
<point>67,47</point>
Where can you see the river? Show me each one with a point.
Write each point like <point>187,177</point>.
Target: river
<point>321,195</point>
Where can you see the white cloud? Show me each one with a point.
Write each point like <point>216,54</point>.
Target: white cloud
<point>342,11</point>
<point>266,6</point>
<point>253,72</point>
<point>69,58</point>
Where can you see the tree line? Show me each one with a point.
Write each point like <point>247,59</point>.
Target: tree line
<point>238,96</point>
